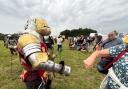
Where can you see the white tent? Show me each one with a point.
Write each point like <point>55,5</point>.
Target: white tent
<point>93,34</point>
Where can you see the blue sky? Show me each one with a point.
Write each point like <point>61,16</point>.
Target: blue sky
<point>101,15</point>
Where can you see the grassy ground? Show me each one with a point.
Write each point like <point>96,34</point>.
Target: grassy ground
<point>79,78</point>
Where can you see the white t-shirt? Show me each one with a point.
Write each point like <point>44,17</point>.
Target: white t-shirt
<point>75,39</point>
<point>59,41</point>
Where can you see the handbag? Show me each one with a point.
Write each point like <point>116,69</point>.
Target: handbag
<point>107,62</point>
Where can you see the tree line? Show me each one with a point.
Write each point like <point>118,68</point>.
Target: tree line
<point>77,32</point>
<point>1,36</point>
<point>66,33</point>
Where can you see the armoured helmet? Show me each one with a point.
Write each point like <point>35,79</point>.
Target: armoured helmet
<point>39,25</point>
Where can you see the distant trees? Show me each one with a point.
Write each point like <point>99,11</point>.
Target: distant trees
<point>1,36</point>
<point>15,35</point>
<point>77,32</point>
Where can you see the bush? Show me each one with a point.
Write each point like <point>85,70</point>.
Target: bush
<point>1,36</point>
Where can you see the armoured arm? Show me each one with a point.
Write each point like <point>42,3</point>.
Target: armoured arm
<point>32,52</point>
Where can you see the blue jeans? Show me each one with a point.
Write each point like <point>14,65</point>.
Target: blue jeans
<point>59,48</point>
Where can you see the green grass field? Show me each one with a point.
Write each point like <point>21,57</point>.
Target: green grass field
<point>79,78</point>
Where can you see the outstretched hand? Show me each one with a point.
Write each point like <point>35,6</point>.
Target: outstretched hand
<point>88,63</point>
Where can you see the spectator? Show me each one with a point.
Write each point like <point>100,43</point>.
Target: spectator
<point>84,45</point>
<point>98,39</point>
<point>112,40</point>
<point>109,42</point>
<point>119,78</point>
<point>49,42</point>
<point>59,43</point>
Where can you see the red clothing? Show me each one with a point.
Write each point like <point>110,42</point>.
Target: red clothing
<point>28,74</point>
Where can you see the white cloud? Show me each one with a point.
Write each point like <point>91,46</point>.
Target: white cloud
<point>102,15</point>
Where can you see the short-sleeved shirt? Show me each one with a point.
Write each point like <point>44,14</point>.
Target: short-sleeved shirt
<point>107,44</point>
<point>59,41</point>
<point>120,67</point>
